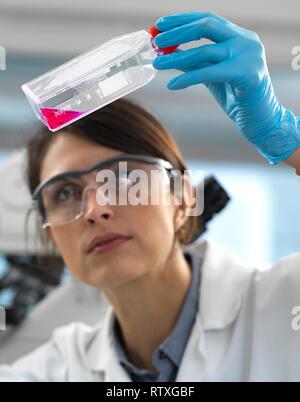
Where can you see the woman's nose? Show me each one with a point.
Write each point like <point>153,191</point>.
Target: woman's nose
<point>95,206</point>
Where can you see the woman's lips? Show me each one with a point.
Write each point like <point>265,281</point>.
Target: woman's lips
<point>106,247</point>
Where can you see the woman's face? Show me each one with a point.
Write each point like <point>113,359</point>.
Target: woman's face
<point>151,228</point>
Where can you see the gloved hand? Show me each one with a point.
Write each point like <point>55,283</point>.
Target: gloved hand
<point>235,71</point>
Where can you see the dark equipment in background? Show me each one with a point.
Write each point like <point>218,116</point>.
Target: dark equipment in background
<point>29,279</point>
<point>215,200</point>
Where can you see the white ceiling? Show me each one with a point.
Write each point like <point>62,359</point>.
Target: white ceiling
<point>67,27</point>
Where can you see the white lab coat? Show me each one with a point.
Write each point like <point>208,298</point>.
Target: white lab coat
<point>243,331</point>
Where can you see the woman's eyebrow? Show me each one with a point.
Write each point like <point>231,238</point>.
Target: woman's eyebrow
<point>67,175</point>
<point>87,169</point>
<point>67,178</point>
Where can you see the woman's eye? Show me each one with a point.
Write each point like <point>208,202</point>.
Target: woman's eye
<point>67,192</point>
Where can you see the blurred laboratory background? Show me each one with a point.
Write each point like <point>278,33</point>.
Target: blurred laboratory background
<point>261,223</point>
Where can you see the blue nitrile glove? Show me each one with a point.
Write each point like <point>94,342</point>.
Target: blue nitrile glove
<point>234,69</point>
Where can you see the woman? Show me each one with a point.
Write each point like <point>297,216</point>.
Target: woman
<point>178,312</point>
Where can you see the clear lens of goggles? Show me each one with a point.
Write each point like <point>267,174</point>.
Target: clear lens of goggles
<point>65,200</point>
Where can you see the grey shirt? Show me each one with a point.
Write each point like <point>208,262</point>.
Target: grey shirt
<point>167,357</point>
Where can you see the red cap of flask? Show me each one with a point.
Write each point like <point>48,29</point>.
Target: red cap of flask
<point>153,31</point>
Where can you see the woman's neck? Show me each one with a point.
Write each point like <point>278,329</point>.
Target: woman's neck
<point>147,309</point>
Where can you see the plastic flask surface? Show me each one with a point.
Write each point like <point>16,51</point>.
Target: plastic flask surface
<point>93,80</point>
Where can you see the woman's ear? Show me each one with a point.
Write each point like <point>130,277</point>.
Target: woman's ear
<point>184,200</point>
<point>47,241</point>
<point>49,236</point>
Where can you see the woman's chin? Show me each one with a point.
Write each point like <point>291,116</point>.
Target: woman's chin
<point>110,275</point>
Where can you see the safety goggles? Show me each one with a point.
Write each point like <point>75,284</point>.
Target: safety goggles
<point>63,199</point>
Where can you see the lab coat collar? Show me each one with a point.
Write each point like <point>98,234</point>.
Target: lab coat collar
<point>224,279</point>
<point>102,355</point>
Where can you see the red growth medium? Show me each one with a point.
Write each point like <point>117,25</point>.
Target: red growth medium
<point>160,51</point>
<point>56,118</point>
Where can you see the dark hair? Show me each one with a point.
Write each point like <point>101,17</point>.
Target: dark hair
<point>124,126</point>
